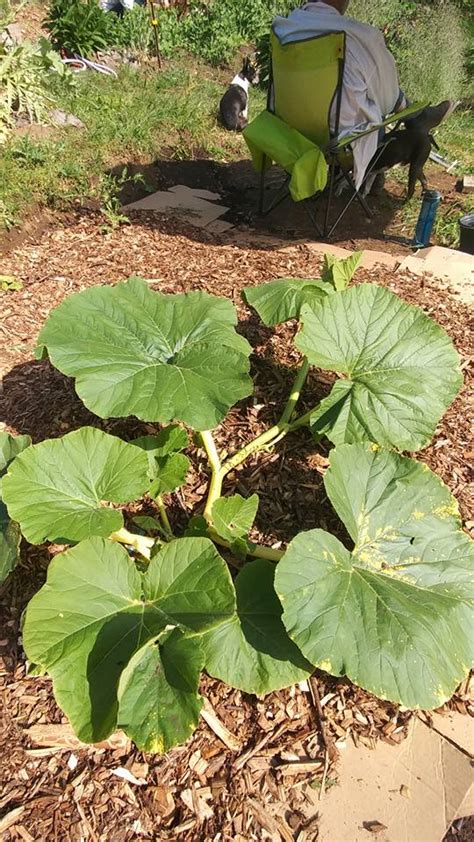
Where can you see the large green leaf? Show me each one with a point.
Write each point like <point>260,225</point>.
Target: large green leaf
<point>96,610</point>
<point>167,468</point>
<point>137,352</point>
<point>159,702</point>
<point>282,299</point>
<point>56,489</point>
<point>252,650</point>
<point>395,615</point>
<point>10,447</point>
<point>402,369</point>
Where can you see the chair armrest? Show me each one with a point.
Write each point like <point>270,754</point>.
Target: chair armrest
<point>337,145</point>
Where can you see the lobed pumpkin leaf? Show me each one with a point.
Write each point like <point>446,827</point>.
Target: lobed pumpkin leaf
<point>233,517</point>
<point>252,650</point>
<point>133,351</point>
<point>167,468</point>
<point>403,371</point>
<point>340,271</point>
<point>280,300</point>
<point>56,489</point>
<point>395,614</point>
<point>159,703</point>
<point>96,611</point>
<point>10,536</point>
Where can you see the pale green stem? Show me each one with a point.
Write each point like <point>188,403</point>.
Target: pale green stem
<point>141,543</point>
<point>255,550</point>
<point>264,440</point>
<point>164,516</point>
<point>303,420</point>
<point>295,393</point>
<point>275,433</point>
<point>215,486</point>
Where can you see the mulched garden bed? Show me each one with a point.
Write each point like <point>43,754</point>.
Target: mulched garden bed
<point>54,788</point>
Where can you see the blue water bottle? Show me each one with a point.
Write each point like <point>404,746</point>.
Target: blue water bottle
<point>424,226</point>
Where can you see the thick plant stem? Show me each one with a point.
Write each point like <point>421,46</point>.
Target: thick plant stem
<point>254,550</point>
<point>278,431</point>
<point>302,421</point>
<point>141,543</point>
<point>295,393</point>
<point>215,486</point>
<point>264,440</point>
<point>164,517</point>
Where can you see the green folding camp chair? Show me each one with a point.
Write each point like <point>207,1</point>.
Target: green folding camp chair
<point>306,79</point>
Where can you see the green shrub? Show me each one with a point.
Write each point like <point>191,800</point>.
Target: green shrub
<point>79,27</point>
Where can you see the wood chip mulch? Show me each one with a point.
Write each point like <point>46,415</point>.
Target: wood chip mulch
<point>281,751</point>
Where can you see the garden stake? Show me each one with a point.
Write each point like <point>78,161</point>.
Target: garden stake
<point>154,24</point>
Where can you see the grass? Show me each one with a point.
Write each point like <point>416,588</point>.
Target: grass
<point>139,117</point>
<point>456,139</point>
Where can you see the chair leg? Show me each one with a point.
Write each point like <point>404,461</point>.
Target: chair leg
<point>262,186</point>
<point>309,211</point>
<point>281,194</point>
<point>330,195</point>
<point>355,195</point>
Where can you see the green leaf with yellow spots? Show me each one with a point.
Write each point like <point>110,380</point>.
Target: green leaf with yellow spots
<point>159,702</point>
<point>395,614</point>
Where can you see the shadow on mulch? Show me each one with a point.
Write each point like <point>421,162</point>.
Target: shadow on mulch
<point>238,185</point>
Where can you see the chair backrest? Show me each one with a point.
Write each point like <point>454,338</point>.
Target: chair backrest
<point>306,79</point>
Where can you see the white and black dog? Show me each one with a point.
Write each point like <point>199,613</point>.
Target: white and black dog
<point>234,105</point>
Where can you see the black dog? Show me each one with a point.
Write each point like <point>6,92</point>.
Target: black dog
<point>411,145</point>
<point>234,105</point>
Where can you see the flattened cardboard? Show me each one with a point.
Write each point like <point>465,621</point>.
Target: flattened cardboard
<point>415,790</point>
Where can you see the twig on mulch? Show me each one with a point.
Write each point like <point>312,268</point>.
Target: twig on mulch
<point>210,717</point>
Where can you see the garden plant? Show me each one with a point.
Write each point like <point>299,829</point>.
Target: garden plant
<point>127,620</point>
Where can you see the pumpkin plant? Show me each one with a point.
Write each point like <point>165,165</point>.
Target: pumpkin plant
<point>127,621</point>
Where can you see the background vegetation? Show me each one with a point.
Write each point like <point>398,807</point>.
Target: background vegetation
<point>145,114</point>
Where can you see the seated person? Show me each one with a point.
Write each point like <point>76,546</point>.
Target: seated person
<point>370,89</point>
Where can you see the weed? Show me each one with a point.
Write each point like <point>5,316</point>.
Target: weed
<point>110,187</point>
<point>9,283</point>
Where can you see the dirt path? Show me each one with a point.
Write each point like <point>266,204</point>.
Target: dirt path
<point>203,790</point>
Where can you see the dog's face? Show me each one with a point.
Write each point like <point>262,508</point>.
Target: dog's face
<point>250,72</point>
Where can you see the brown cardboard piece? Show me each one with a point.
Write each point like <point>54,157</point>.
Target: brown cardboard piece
<point>455,268</point>
<point>415,790</point>
<point>197,207</point>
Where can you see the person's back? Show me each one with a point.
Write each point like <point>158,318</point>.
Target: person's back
<point>370,85</point>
